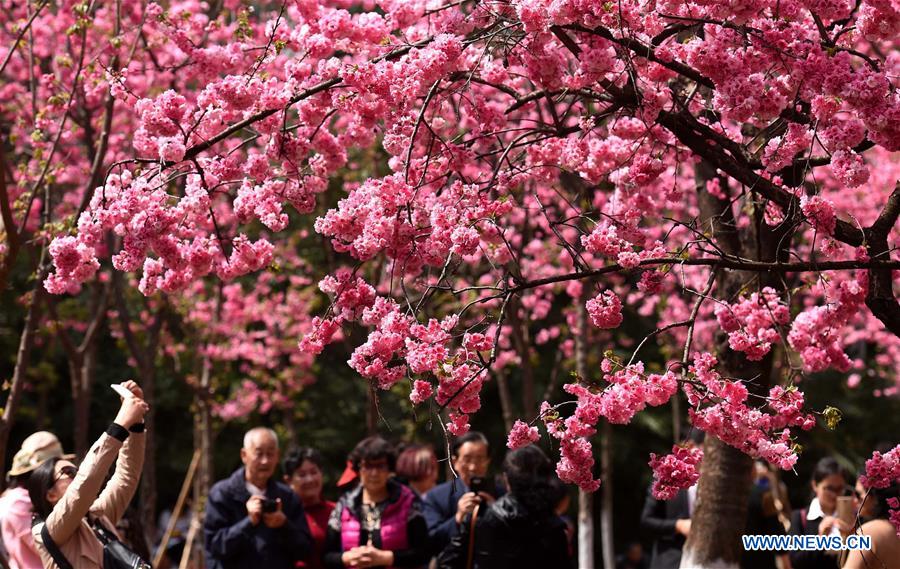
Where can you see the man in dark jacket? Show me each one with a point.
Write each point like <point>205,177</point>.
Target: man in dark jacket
<point>669,522</point>
<point>446,504</point>
<point>253,521</point>
<point>520,530</point>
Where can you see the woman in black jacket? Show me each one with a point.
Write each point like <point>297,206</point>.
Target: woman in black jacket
<point>519,530</point>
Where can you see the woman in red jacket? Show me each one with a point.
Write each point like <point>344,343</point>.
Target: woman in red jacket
<point>303,473</point>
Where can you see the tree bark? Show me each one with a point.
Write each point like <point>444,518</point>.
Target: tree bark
<point>148,479</point>
<point>585,499</point>
<point>606,504</point>
<point>82,361</point>
<point>505,400</point>
<point>23,360</point>
<point>522,342</point>
<point>81,370</point>
<point>144,354</point>
<point>720,512</point>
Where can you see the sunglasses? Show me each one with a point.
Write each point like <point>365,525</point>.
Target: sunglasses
<point>67,472</point>
<point>374,466</point>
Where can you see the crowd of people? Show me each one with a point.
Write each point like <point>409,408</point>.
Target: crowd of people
<point>392,512</point>
<point>838,506</point>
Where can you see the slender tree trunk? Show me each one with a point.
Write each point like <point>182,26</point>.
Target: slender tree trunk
<point>371,411</point>
<point>202,441</point>
<point>144,352</point>
<point>606,505</point>
<point>585,499</point>
<point>522,342</point>
<point>83,369</point>
<point>676,419</point>
<point>290,425</point>
<point>23,360</point>
<point>506,400</point>
<point>148,479</point>
<point>81,406</point>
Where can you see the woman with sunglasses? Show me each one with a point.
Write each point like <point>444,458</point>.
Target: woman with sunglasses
<point>885,552</point>
<point>829,481</point>
<point>66,498</point>
<point>379,523</point>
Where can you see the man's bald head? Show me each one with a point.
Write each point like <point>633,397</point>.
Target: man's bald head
<point>259,455</point>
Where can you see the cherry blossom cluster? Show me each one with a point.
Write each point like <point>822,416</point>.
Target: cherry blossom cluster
<point>749,429</point>
<point>882,471</point>
<point>522,435</point>
<point>676,471</point>
<point>816,332</point>
<point>751,323</point>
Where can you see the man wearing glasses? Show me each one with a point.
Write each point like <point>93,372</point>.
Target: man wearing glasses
<point>447,504</point>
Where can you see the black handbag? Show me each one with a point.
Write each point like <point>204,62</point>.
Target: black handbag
<point>116,554</point>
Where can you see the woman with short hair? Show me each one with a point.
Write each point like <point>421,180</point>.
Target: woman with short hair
<point>417,467</point>
<point>379,523</point>
<point>303,473</point>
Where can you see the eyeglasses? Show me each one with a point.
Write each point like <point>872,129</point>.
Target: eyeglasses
<point>841,490</point>
<point>67,472</point>
<point>476,459</point>
<point>381,465</point>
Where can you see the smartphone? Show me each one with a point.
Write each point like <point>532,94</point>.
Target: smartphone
<point>845,509</point>
<point>269,506</point>
<point>478,484</point>
<point>123,393</point>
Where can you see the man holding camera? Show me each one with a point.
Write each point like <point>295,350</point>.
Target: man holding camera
<point>252,520</point>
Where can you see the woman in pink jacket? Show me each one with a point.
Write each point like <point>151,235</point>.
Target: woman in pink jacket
<point>67,498</point>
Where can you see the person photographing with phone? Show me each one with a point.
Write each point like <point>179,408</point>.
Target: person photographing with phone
<point>253,521</point>
<point>74,522</point>
<point>449,503</point>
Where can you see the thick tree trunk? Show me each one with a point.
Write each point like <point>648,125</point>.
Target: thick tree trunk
<point>23,359</point>
<point>720,513</point>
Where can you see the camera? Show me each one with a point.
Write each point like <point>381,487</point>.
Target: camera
<point>269,505</point>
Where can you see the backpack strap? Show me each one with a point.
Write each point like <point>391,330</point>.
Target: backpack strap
<point>53,549</point>
<point>803,519</point>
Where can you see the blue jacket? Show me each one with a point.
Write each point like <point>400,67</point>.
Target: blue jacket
<point>232,542</point>
<point>440,512</point>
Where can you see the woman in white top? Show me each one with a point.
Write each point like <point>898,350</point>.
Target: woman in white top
<point>829,481</point>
